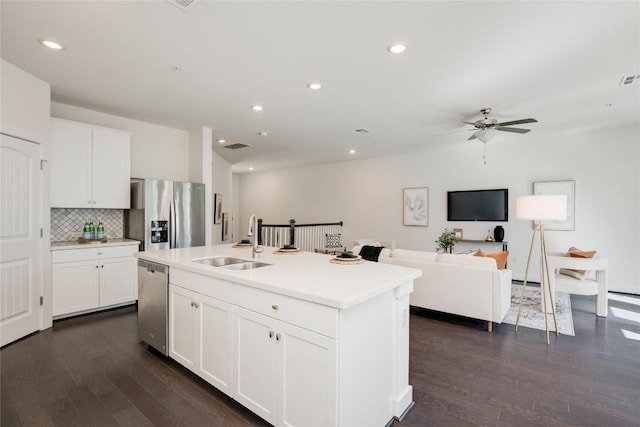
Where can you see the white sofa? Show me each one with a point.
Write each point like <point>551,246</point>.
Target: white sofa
<point>464,285</point>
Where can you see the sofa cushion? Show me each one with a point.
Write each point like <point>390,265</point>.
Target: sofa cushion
<point>500,257</point>
<point>482,262</point>
<point>371,253</point>
<point>417,255</point>
<point>384,253</point>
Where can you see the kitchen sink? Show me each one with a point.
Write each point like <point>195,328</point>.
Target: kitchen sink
<point>231,263</point>
<point>220,261</point>
<point>246,265</point>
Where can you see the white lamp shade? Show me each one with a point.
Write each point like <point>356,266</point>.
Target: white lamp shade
<point>485,135</point>
<point>542,207</point>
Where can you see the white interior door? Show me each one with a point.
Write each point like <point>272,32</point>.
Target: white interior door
<point>20,241</point>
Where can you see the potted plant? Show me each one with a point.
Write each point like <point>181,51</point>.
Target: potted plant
<point>446,241</point>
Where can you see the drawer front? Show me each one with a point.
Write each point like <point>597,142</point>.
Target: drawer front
<point>70,255</point>
<point>315,317</point>
<point>205,285</point>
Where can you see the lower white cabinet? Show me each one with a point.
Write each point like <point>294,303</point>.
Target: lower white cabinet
<point>93,278</point>
<point>285,374</point>
<point>294,362</point>
<point>201,338</point>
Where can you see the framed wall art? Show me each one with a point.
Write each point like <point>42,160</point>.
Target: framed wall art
<point>416,206</point>
<point>225,227</point>
<point>458,233</point>
<point>217,208</point>
<point>568,188</point>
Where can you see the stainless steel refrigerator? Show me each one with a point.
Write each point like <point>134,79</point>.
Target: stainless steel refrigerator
<point>165,214</point>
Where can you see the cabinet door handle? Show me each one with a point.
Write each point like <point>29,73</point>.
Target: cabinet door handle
<point>97,266</point>
<point>274,306</point>
<point>102,266</point>
<point>194,304</point>
<point>270,334</point>
<point>277,337</point>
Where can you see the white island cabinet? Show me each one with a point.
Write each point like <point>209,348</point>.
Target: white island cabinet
<point>300,342</point>
<point>201,327</point>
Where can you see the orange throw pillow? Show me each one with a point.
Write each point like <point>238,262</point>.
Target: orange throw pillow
<point>500,257</point>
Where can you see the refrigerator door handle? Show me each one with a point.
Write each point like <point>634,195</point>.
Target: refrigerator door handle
<point>172,224</point>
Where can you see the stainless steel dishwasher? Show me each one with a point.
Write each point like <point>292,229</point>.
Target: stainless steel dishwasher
<point>153,305</point>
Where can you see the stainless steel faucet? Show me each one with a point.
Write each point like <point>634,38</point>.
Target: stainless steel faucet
<point>253,228</point>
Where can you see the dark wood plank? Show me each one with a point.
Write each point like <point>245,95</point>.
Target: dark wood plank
<point>93,371</point>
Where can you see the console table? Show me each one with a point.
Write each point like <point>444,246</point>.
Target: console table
<point>504,244</point>
<point>561,283</point>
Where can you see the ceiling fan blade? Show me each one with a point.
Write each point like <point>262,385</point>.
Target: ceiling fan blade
<point>515,130</point>
<point>471,137</point>
<point>469,123</point>
<point>518,122</point>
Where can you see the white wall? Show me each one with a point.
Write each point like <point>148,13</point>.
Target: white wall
<point>367,194</point>
<point>201,170</point>
<point>156,151</point>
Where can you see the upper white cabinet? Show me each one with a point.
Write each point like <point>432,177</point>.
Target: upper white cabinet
<point>90,166</point>
<point>26,104</point>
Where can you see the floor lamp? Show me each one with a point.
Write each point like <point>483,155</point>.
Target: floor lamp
<point>537,209</point>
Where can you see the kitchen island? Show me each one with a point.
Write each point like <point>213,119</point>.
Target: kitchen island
<point>301,341</point>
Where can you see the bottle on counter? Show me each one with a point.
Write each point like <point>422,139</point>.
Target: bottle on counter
<point>100,231</point>
<point>85,231</point>
<point>92,230</point>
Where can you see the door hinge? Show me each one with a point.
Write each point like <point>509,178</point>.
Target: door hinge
<point>41,300</point>
<point>41,232</point>
<point>42,162</point>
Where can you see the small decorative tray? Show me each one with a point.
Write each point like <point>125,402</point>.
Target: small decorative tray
<point>242,245</point>
<point>292,251</point>
<point>346,261</point>
<point>88,241</point>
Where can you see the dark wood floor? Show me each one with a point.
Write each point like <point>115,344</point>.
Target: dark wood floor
<point>92,371</point>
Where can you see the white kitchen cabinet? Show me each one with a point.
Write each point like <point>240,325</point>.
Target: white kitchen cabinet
<point>93,278</point>
<point>76,286</point>
<point>25,104</point>
<point>90,166</point>
<point>284,373</point>
<point>295,362</point>
<point>200,336</point>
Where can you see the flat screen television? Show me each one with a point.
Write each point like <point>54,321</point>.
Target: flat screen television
<point>478,205</point>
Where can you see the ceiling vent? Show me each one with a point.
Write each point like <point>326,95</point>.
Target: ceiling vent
<point>627,80</point>
<point>184,4</point>
<point>235,146</point>
<point>360,131</point>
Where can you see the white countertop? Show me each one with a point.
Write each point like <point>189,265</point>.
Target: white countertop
<point>57,246</point>
<point>308,276</point>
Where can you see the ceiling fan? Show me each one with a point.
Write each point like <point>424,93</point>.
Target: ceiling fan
<point>486,128</point>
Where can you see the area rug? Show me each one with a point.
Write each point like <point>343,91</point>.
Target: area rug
<point>532,317</point>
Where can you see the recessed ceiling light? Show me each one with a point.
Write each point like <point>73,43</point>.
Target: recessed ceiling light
<point>352,151</point>
<point>256,107</point>
<point>396,48</point>
<point>51,44</point>
<point>263,133</point>
<point>222,141</point>
<point>314,86</point>
<point>251,168</point>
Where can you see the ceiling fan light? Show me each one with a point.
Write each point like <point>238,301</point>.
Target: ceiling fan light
<point>485,135</point>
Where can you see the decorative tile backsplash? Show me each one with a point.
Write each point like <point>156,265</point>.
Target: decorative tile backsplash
<point>67,223</point>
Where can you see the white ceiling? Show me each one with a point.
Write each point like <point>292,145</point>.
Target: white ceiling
<point>559,62</point>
